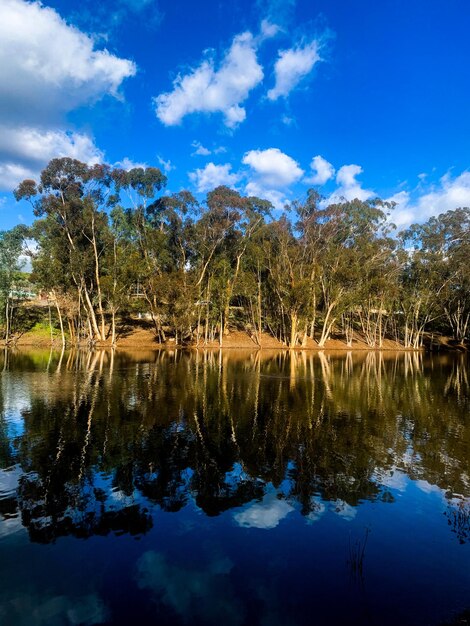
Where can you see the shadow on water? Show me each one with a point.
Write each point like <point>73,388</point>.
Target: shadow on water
<point>98,444</point>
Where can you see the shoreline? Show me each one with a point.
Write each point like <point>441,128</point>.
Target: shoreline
<point>143,339</point>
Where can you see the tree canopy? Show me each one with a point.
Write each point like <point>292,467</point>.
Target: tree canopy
<point>113,243</point>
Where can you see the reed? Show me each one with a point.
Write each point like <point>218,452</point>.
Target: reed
<point>356,553</point>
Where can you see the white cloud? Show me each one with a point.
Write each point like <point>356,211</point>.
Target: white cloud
<point>277,11</point>
<point>322,170</point>
<point>166,166</point>
<point>271,172</point>
<point>199,149</point>
<point>128,164</point>
<point>11,174</point>
<point>42,145</point>
<point>449,194</point>
<point>269,29</point>
<point>206,89</point>
<point>48,67</point>
<point>24,150</point>
<point>211,176</point>
<point>273,168</point>
<point>266,514</point>
<point>292,66</point>
<point>288,120</point>
<point>404,213</point>
<point>346,176</point>
<point>348,187</point>
<point>277,198</point>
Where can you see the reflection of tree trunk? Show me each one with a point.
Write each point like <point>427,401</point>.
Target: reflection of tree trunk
<point>256,381</point>
<point>326,374</point>
<point>5,358</point>
<point>292,369</point>
<point>111,365</point>
<point>49,359</point>
<point>59,364</point>
<point>94,397</point>
<point>259,307</point>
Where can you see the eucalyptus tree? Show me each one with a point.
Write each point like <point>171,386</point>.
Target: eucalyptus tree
<point>123,261</point>
<point>141,208</point>
<point>72,197</point>
<point>11,248</point>
<point>51,273</point>
<point>222,234</point>
<point>173,216</point>
<point>354,246</point>
<point>437,276</point>
<point>457,250</point>
<point>289,280</point>
<point>247,224</point>
<point>373,267</point>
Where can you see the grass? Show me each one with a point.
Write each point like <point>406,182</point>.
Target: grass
<point>356,554</point>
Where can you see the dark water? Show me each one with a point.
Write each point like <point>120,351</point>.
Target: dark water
<point>175,488</point>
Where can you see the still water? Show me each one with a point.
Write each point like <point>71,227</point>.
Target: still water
<point>234,489</point>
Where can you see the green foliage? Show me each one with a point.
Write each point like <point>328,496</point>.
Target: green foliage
<point>109,243</point>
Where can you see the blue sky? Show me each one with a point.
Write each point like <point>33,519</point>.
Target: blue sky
<point>360,98</point>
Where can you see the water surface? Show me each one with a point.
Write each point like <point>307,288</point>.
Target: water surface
<point>234,488</point>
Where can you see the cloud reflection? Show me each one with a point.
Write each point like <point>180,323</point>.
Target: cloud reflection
<point>196,595</point>
<point>34,610</point>
<point>266,514</point>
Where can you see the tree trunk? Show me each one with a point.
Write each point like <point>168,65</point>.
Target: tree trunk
<point>92,317</point>
<point>102,333</point>
<point>293,330</point>
<point>7,319</point>
<point>113,327</point>
<point>327,325</point>
<point>61,324</point>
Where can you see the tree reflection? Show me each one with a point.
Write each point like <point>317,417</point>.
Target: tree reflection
<point>107,436</point>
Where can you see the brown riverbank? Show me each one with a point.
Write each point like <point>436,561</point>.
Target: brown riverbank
<point>139,335</point>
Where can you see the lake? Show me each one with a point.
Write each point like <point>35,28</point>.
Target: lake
<point>234,488</point>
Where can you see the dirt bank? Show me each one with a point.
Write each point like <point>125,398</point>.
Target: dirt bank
<point>139,335</point>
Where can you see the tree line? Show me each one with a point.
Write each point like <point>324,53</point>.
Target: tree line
<point>112,243</point>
